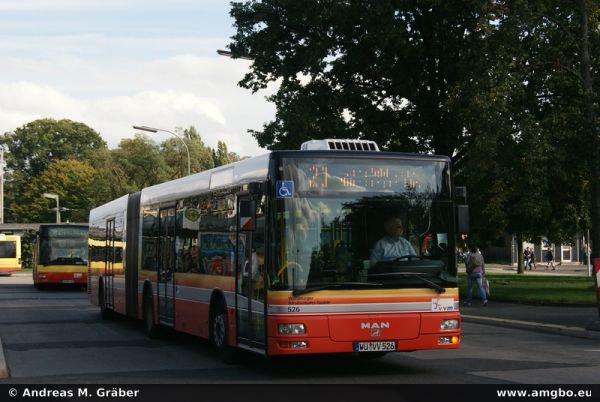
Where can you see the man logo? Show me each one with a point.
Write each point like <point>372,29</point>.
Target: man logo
<point>375,327</point>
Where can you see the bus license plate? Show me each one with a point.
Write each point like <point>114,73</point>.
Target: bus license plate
<point>68,281</point>
<point>374,346</point>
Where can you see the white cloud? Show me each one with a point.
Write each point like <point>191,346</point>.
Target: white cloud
<point>70,5</point>
<point>112,63</point>
<point>176,92</point>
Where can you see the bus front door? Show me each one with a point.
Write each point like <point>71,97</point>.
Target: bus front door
<point>166,267</point>
<point>250,292</point>
<point>109,264</point>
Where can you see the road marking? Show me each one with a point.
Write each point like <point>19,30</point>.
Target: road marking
<point>591,350</point>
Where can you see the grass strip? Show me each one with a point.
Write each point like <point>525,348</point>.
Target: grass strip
<point>538,289</point>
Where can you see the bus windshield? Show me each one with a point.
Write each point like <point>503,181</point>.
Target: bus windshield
<point>63,251</point>
<point>327,229</point>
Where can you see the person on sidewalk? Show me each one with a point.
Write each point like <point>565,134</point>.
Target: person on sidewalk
<point>476,274</point>
<point>532,260</point>
<point>527,258</point>
<point>550,259</point>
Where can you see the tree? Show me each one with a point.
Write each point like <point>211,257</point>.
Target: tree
<point>526,162</point>
<point>495,85</point>
<point>221,155</point>
<point>33,147</point>
<point>110,180</point>
<point>590,99</point>
<point>176,156</point>
<point>141,162</point>
<point>72,180</point>
<point>399,73</point>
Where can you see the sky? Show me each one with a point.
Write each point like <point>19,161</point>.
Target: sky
<point>112,64</point>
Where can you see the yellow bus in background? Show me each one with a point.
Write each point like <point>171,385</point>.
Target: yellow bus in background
<point>10,253</point>
<point>61,255</point>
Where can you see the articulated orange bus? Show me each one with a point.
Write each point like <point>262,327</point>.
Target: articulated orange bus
<point>273,254</point>
<point>61,255</point>
<point>10,253</point>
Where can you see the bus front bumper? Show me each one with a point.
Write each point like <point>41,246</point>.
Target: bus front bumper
<point>72,278</point>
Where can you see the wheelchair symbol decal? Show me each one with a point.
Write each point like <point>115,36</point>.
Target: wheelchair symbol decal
<point>285,188</point>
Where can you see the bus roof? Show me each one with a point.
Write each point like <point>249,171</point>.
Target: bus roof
<point>242,172</point>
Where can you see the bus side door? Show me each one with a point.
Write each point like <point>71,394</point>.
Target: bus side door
<point>109,264</point>
<point>250,285</point>
<point>166,266</point>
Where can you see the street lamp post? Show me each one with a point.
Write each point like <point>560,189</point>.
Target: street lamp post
<point>156,130</point>
<point>53,196</point>
<point>227,53</point>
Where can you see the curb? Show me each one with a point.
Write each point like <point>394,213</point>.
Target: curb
<point>3,366</point>
<point>578,332</point>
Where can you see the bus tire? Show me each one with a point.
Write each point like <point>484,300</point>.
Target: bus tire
<point>105,312</point>
<point>219,333</point>
<point>150,328</point>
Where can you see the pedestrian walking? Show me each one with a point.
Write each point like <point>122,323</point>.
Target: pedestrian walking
<point>527,258</point>
<point>476,275</point>
<point>550,259</point>
<point>532,260</point>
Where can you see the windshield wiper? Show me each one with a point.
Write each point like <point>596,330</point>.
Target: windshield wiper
<point>433,285</point>
<point>334,285</point>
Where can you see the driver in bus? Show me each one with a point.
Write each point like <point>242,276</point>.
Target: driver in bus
<point>392,245</point>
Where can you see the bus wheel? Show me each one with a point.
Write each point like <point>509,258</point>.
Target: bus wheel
<point>150,328</point>
<point>220,333</point>
<point>105,312</point>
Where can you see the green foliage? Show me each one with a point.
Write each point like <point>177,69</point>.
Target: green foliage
<point>399,73</point>
<point>221,155</point>
<point>524,167</point>
<point>110,179</point>
<point>539,289</point>
<point>175,154</point>
<point>28,240</point>
<point>33,147</point>
<point>87,174</point>
<point>140,162</point>
<point>72,180</point>
<point>496,85</point>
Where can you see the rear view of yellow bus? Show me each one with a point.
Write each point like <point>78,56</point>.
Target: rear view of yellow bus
<point>10,253</point>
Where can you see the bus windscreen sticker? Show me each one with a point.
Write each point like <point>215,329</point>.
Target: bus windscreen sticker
<point>285,188</point>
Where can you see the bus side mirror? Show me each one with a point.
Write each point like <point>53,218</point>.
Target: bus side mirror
<point>462,219</point>
<point>247,215</point>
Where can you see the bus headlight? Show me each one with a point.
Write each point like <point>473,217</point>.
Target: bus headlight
<point>448,325</point>
<point>291,329</point>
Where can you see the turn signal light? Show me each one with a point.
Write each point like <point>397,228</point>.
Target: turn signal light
<point>448,340</point>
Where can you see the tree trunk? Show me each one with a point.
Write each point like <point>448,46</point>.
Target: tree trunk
<point>592,142</point>
<point>520,265</point>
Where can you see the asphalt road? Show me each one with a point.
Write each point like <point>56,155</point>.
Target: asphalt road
<point>55,336</point>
